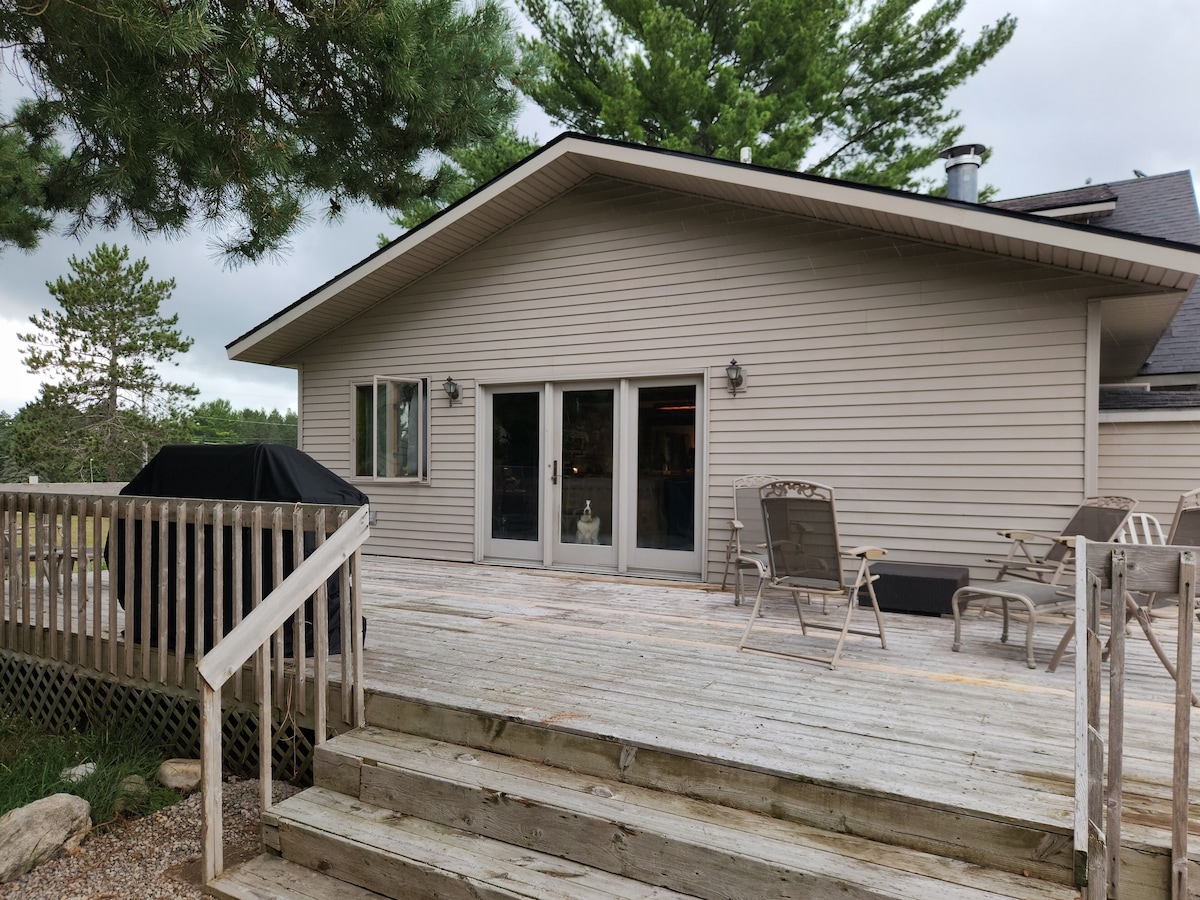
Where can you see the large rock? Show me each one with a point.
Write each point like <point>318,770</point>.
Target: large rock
<point>181,775</point>
<point>40,831</point>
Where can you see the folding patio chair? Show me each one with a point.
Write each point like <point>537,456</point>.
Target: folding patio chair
<point>747,542</point>
<point>804,556</point>
<point>1096,518</point>
<point>1042,584</point>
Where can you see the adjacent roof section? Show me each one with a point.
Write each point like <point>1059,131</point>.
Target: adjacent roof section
<point>570,159</point>
<point>1160,206</point>
<point>1063,204</point>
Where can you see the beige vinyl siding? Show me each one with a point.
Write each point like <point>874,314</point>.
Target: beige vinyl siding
<point>1152,460</point>
<point>940,391</point>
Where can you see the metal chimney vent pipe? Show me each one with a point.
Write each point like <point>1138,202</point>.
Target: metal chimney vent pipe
<point>962,171</point>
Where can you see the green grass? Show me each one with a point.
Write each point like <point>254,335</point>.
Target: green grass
<point>32,762</point>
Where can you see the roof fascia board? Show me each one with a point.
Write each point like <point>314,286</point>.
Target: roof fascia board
<point>1113,416</point>
<point>1082,209</point>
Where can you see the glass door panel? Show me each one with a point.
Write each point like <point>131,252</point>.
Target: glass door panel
<point>586,472</point>
<point>666,468</point>
<point>515,472</point>
<point>666,488</point>
<point>516,466</point>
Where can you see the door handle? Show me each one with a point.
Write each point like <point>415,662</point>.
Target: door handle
<point>554,473</point>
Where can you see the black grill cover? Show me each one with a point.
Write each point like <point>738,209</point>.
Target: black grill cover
<point>264,472</point>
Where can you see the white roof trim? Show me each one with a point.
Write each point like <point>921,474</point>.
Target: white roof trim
<point>1149,415</point>
<point>1105,207</point>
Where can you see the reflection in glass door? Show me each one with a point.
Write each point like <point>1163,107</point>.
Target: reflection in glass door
<point>515,507</point>
<point>666,468</point>
<point>666,485</point>
<point>586,520</point>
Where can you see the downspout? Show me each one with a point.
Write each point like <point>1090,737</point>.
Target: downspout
<point>1091,402</point>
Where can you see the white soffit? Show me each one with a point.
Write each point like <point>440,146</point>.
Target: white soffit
<point>571,159</point>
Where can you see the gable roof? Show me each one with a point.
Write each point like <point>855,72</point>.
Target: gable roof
<point>1160,206</point>
<point>1146,263</point>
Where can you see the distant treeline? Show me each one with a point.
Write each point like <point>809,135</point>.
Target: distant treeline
<point>38,451</point>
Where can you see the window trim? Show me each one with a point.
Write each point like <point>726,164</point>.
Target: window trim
<point>423,410</point>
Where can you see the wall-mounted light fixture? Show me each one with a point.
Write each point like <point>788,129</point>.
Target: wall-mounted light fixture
<point>452,389</point>
<point>737,378</point>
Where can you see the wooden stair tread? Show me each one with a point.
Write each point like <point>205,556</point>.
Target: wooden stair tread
<point>407,858</point>
<point>655,829</point>
<point>268,877</point>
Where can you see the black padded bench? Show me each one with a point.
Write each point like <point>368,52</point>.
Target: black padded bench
<point>921,588</point>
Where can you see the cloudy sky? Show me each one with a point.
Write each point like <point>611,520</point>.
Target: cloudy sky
<point>1087,89</point>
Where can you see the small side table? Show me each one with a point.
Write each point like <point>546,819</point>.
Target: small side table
<point>923,589</point>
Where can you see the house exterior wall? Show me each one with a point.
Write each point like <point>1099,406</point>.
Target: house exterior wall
<point>941,392</point>
<point>1151,456</point>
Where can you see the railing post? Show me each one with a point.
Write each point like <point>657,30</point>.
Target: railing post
<point>212,853</point>
<point>1183,726</point>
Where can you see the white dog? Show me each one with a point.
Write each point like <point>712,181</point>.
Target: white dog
<point>587,529</point>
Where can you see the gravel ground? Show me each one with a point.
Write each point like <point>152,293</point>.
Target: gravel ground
<point>155,858</point>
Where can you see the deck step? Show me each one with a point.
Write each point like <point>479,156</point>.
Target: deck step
<point>660,838</point>
<point>407,858</point>
<point>1007,841</point>
<point>269,877</point>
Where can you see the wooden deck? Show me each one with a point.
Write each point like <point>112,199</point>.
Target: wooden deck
<point>975,734</point>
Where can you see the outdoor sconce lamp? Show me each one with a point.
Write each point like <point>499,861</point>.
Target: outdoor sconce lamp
<point>737,378</point>
<point>453,391</point>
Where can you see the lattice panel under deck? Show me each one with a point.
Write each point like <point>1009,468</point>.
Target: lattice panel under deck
<point>63,698</point>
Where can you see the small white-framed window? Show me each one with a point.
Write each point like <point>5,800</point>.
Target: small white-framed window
<point>391,428</point>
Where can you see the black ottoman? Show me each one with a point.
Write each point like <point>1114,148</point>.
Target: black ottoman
<point>919,588</point>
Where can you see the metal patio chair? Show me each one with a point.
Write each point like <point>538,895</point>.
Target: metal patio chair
<point>1042,584</point>
<point>746,549</point>
<point>1096,518</point>
<point>804,556</point>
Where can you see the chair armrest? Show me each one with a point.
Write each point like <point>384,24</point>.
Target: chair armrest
<point>757,562</point>
<point>865,552</point>
<point>1066,540</point>
<point>736,525</point>
<point>1017,534</point>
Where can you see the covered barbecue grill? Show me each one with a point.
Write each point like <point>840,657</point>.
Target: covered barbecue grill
<point>252,472</point>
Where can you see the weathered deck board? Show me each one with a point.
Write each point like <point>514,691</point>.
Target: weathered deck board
<point>653,663</point>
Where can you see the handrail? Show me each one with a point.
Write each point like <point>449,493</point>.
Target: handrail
<point>251,636</point>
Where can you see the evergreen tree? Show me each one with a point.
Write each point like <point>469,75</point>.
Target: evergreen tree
<point>9,470</point>
<point>852,89</point>
<point>23,166</point>
<point>468,168</point>
<point>241,113</point>
<point>107,404</point>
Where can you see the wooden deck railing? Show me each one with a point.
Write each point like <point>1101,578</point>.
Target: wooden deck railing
<point>1118,572</point>
<point>254,635</point>
<point>142,589</point>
